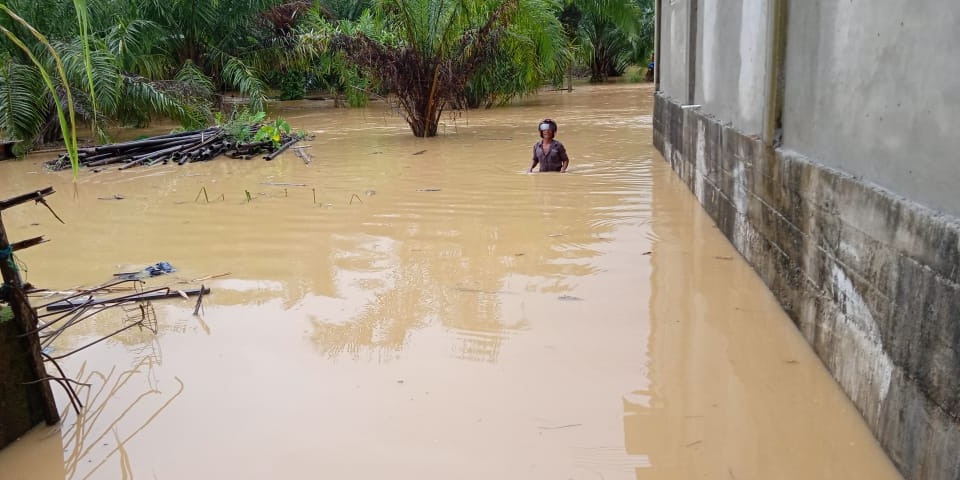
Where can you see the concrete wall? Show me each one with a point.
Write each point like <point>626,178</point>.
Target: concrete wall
<point>674,29</point>
<point>873,89</point>
<point>861,249</point>
<point>732,51</point>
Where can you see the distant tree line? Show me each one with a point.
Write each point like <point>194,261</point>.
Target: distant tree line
<point>109,63</point>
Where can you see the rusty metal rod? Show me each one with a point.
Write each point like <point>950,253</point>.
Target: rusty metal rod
<point>97,341</point>
<point>91,290</point>
<point>64,375</point>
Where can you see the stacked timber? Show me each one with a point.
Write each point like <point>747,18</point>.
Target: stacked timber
<point>181,148</point>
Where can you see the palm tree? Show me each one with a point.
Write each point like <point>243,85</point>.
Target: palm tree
<point>330,69</point>
<point>96,81</point>
<point>606,35</point>
<point>218,36</point>
<point>132,59</point>
<point>337,10</point>
<point>428,51</point>
<point>609,48</point>
<point>532,54</point>
<point>20,110</point>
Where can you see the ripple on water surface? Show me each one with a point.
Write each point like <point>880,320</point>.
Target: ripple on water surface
<point>424,309</point>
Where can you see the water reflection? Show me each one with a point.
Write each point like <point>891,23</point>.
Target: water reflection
<point>734,390</point>
<point>421,229</point>
<point>452,249</point>
<point>118,405</point>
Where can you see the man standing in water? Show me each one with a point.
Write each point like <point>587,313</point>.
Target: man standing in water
<point>549,153</point>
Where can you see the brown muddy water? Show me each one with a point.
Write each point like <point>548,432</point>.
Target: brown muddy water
<point>431,316</point>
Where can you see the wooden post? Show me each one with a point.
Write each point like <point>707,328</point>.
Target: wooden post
<point>24,400</point>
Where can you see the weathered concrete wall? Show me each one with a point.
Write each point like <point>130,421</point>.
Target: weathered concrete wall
<point>873,89</point>
<point>674,30</point>
<point>733,46</point>
<point>853,221</point>
<point>871,280</point>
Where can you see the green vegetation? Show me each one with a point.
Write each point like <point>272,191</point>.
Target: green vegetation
<point>242,124</point>
<point>609,35</point>
<point>273,132</point>
<point>431,49</point>
<point>634,74</point>
<point>18,108</point>
<point>245,126</point>
<point>110,63</point>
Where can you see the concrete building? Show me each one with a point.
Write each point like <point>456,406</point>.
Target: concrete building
<point>822,138</point>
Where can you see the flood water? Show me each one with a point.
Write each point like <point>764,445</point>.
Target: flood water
<point>431,315</point>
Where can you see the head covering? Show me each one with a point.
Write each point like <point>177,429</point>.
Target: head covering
<point>547,124</point>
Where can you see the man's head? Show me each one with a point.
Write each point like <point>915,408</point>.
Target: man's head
<point>548,124</point>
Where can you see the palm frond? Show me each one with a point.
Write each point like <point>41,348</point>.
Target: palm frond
<point>246,80</point>
<point>622,13</point>
<point>97,67</point>
<point>144,96</point>
<point>190,76</point>
<point>68,125</point>
<point>83,22</point>
<point>22,110</point>
<point>135,44</point>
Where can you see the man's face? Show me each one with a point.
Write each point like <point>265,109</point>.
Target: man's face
<point>546,131</point>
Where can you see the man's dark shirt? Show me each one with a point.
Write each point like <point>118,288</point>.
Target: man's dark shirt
<point>553,160</point>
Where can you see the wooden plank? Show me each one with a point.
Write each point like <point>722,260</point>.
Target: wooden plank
<point>26,321</point>
<point>30,242</point>
<point>26,197</point>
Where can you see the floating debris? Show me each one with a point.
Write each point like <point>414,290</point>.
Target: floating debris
<point>306,157</point>
<point>282,184</point>
<point>155,270</point>
<point>79,300</point>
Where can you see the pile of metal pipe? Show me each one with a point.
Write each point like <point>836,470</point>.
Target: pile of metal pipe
<point>181,148</point>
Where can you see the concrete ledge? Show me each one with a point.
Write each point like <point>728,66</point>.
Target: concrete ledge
<point>871,279</point>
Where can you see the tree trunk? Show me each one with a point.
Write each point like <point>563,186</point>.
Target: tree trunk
<point>424,127</point>
<point>599,65</point>
<point>424,117</point>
